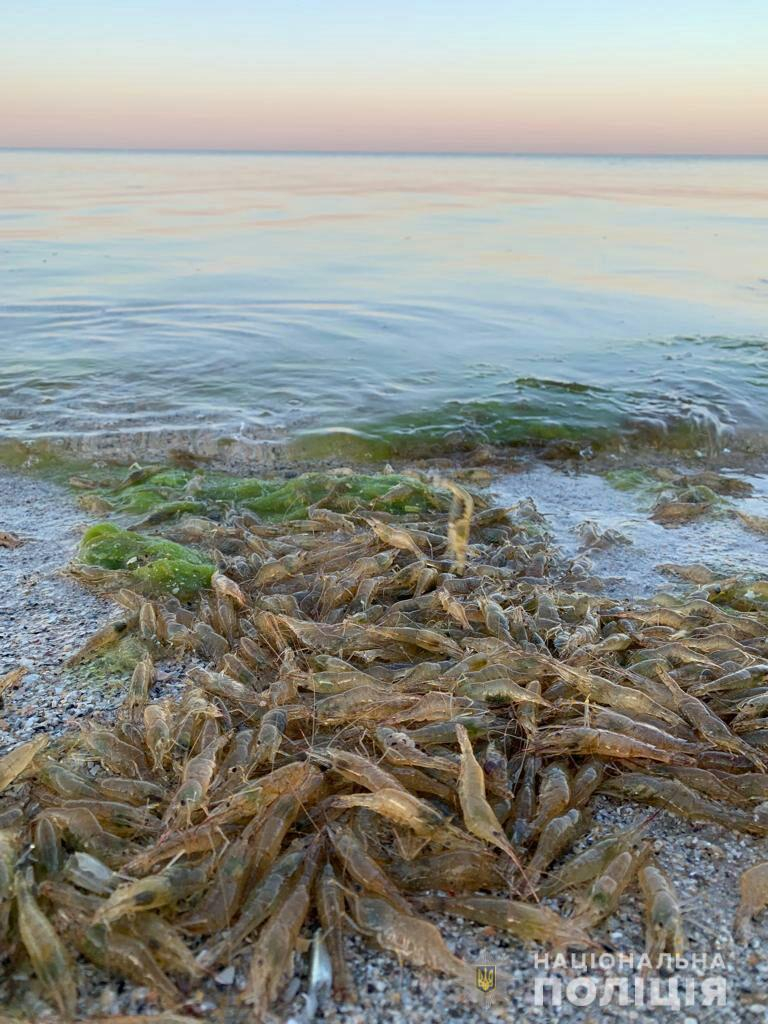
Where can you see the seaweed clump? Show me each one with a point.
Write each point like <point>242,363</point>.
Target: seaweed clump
<point>158,495</point>
<point>157,565</point>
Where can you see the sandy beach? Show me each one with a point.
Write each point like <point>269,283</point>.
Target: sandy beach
<point>46,615</point>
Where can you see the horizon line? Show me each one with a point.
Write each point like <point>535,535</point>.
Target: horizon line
<point>382,152</point>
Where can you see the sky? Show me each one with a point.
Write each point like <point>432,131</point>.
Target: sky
<point>546,76</point>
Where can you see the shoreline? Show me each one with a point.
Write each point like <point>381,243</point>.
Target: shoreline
<point>42,606</point>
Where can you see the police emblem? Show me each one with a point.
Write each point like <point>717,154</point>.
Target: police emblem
<point>485,978</point>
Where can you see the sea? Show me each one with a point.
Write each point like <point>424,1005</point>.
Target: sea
<point>381,304</point>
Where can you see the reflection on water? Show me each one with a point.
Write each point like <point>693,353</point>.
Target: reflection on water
<point>405,297</point>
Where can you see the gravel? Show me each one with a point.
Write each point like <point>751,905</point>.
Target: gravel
<point>45,616</point>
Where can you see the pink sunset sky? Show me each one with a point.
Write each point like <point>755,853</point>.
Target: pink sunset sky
<point>590,77</point>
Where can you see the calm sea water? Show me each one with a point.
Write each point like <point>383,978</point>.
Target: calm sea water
<point>382,298</point>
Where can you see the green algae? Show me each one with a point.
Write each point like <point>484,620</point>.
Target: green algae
<point>167,494</point>
<point>631,480</point>
<point>110,670</point>
<point>157,565</point>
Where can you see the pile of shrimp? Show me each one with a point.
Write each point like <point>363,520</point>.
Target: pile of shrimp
<point>383,717</point>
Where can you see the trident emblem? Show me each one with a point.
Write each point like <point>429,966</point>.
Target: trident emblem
<point>485,978</point>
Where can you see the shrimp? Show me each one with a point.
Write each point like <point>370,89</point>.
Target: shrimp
<point>607,888</point>
<point>167,945</point>
<point>554,795</point>
<point>249,799</point>
<point>585,866</point>
<point>269,738</point>
<point>624,699</point>
<point>19,760</point>
<point>664,932</point>
<point>556,836</point>
<point>195,782</point>
<point>114,753</point>
<point>459,523</point>
<point>754,898</point>
<point>502,690</point>
<point>9,849</point>
<point>407,936</point>
<point>258,906</point>
<point>393,537</point>
<point>12,678</point>
<point>360,770</point>
<point>363,868</point>
<point>478,814</point>
<point>601,742</point>
<point>273,957</point>
<point>330,910</point>
<point>402,808</point>
<point>141,681</point>
<point>45,949</point>
<point>48,853</point>
<point>90,874</point>
<point>675,796</point>
<point>125,955</point>
<point>102,638</point>
<point>157,732</point>
<point>463,869</point>
<point>527,921</point>
<point>586,781</point>
<point>227,588</point>
<point>172,885</point>
<point>518,826</point>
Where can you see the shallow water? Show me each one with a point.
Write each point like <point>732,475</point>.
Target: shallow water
<point>629,569</point>
<point>398,298</point>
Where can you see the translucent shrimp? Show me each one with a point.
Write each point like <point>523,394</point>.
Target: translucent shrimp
<point>227,588</point>
<point>754,898</point>
<point>664,932</point>
<point>478,814</point>
<point>530,922</point>
<point>393,537</point>
<point>607,888</point>
<point>583,867</point>
<point>141,682</point>
<point>556,837</point>
<point>360,770</point>
<point>114,753</point>
<point>102,638</point>
<point>273,957</point>
<point>582,740</point>
<point>157,732</point>
<point>554,795</point>
<point>675,796</point>
<point>459,524</point>
<point>170,886</point>
<point>363,868</point>
<point>402,808</point>
<point>195,783</point>
<point>9,849</point>
<point>269,738</point>
<point>258,906</point>
<point>45,949</point>
<point>48,853</point>
<point>407,936</point>
<point>19,760</point>
<point>330,910</point>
